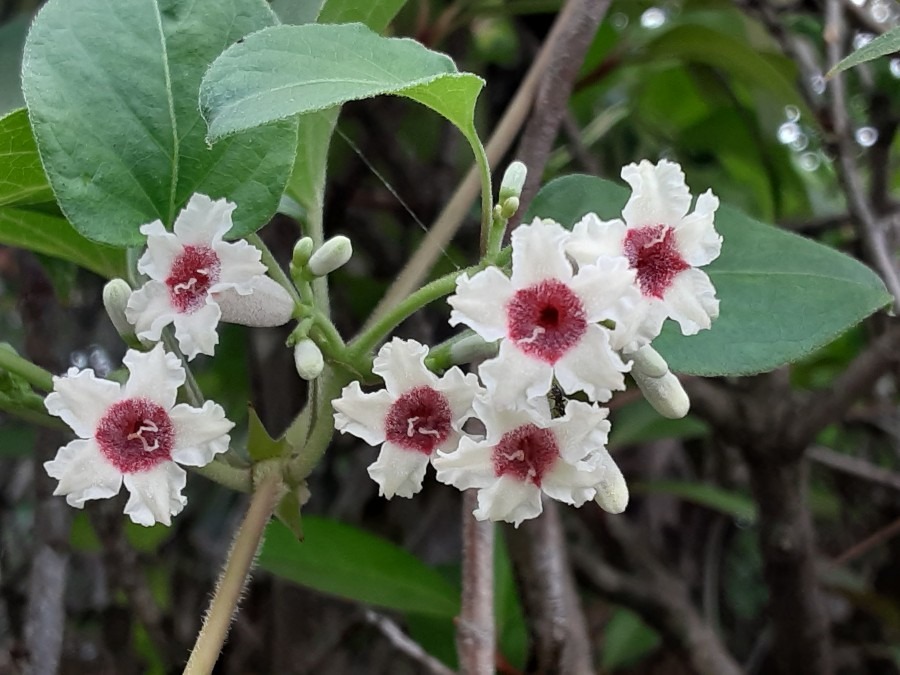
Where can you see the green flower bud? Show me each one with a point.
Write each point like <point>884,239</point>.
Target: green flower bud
<point>333,254</point>
<point>513,181</point>
<point>649,362</point>
<point>115,298</point>
<point>302,251</point>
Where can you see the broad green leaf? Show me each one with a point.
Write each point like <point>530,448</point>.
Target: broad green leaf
<point>638,422</point>
<point>289,70</point>
<point>626,640</point>
<point>781,296</point>
<point>700,44</point>
<point>345,561</point>
<point>12,39</point>
<point>724,501</point>
<point>887,43</point>
<point>297,11</point>
<point>22,179</point>
<point>376,14</point>
<point>112,91</point>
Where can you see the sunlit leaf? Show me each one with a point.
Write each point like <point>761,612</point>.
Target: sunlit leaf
<point>887,43</point>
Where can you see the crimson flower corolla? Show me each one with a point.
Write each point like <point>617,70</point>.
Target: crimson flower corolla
<point>197,278</point>
<point>546,318</point>
<point>526,453</point>
<point>414,416</point>
<point>133,434</point>
<point>664,245</point>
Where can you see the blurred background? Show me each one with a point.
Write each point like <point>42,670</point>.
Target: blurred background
<point>762,535</point>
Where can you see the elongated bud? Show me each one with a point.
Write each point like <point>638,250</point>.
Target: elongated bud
<point>665,394</point>
<point>612,490</point>
<point>115,297</point>
<point>308,359</point>
<point>649,362</point>
<point>268,304</point>
<point>302,251</point>
<point>513,182</point>
<point>471,347</point>
<point>333,254</point>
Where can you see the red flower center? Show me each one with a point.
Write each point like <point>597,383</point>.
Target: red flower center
<point>135,435</point>
<point>193,272</point>
<point>653,253</point>
<point>419,420</point>
<point>525,453</point>
<point>545,320</point>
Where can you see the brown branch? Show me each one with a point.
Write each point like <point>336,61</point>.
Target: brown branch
<point>403,643</point>
<point>475,634</point>
<point>854,466</point>
<point>559,638</point>
<point>872,541</point>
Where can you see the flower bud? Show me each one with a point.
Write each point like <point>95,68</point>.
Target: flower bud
<point>470,347</point>
<point>509,207</point>
<point>649,362</point>
<point>115,298</point>
<point>665,394</point>
<point>308,359</point>
<point>612,491</point>
<point>513,182</point>
<point>268,304</point>
<point>331,255</point>
<point>302,251</point>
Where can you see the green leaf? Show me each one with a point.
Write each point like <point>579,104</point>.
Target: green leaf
<point>347,562</point>
<point>112,93</point>
<point>289,70</point>
<point>12,39</point>
<point>638,422</point>
<point>887,43</point>
<point>260,445</point>
<point>22,179</point>
<point>781,296</point>
<point>724,501</point>
<point>297,11</point>
<point>376,14</point>
<point>626,640</point>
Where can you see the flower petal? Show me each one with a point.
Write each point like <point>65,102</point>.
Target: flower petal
<point>583,429</point>
<point>601,286</point>
<point>155,375</point>
<point>568,483</point>
<point>156,494</point>
<point>592,367</point>
<point>659,194</point>
<point>398,472</point>
<point>640,326</point>
<point>196,332</point>
<point>593,239</point>
<point>81,400</point>
<point>362,414</point>
<point>469,466</point>
<point>200,433</point>
<point>162,249</point>
<point>697,239</point>
<point>691,301</point>
<point>401,364</point>
<point>268,304</point>
<point>510,500</point>
<point>512,378</point>
<point>239,265</point>
<point>149,310</point>
<point>460,390</point>
<point>83,473</point>
<point>204,221</point>
<point>538,253</point>
<point>480,303</point>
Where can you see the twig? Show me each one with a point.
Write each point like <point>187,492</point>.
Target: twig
<point>403,643</point>
<point>872,541</point>
<point>854,466</point>
<point>559,638</point>
<point>475,638</point>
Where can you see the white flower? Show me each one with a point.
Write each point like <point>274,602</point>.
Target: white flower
<point>546,318</point>
<point>415,415</point>
<point>133,434</point>
<point>526,453</point>
<point>193,268</point>
<point>664,245</point>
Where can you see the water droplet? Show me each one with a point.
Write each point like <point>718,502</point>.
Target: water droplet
<point>619,21</point>
<point>788,133</point>
<point>860,40</point>
<point>809,161</point>
<point>800,143</point>
<point>792,113</point>
<point>99,360</point>
<point>895,67</point>
<point>880,11</point>
<point>653,18</point>
<point>78,359</point>
<point>866,136</point>
<point>817,84</point>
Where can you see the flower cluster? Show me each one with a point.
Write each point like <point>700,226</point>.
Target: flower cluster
<point>578,311</point>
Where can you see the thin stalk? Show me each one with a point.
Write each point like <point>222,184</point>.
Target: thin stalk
<point>234,577</point>
<point>36,376</point>
<point>275,270</point>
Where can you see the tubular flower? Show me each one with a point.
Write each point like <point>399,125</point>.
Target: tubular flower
<point>664,245</point>
<point>546,317</point>
<point>526,453</point>
<point>133,434</point>
<point>417,414</point>
<point>190,269</point>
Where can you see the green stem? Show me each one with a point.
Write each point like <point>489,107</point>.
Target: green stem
<point>34,416</point>
<point>369,338</point>
<point>36,376</point>
<point>274,269</point>
<point>321,429</point>
<point>233,477</point>
<point>487,198</point>
<point>234,577</point>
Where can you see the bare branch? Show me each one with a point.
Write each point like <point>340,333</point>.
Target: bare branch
<point>475,639</point>
<point>403,643</point>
